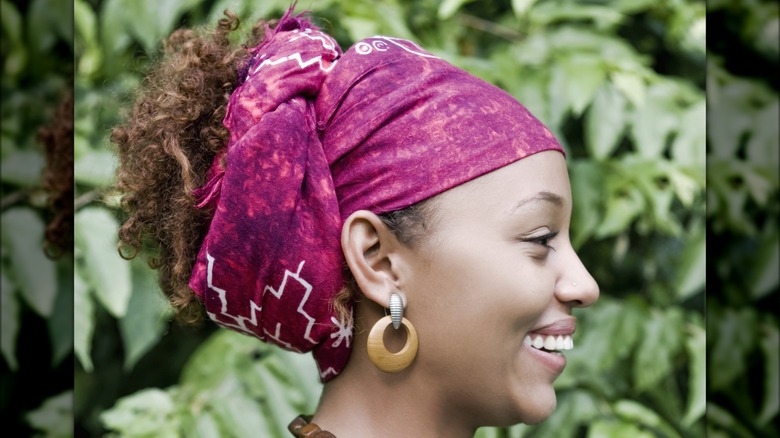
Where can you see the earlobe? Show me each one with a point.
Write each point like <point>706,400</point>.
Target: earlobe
<point>368,247</point>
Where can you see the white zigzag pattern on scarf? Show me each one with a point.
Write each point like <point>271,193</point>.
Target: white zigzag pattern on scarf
<point>278,294</point>
<point>240,320</point>
<point>326,41</point>
<point>297,56</point>
<point>325,373</point>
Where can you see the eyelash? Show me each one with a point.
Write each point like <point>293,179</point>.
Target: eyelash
<point>543,240</point>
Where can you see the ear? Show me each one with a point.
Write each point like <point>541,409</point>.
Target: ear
<point>371,249</point>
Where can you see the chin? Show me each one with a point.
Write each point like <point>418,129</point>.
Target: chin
<point>540,411</point>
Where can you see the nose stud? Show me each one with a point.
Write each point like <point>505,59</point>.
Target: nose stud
<point>574,284</point>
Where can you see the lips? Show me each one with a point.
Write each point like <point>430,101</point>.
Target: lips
<point>555,336</point>
<point>545,343</point>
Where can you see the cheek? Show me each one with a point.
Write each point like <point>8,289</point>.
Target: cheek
<point>490,288</point>
<point>472,305</point>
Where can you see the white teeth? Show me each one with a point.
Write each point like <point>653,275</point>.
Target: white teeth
<point>561,342</point>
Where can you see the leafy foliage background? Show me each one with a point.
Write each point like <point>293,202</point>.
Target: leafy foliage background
<point>620,82</point>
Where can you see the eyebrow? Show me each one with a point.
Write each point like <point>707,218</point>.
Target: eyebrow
<point>541,196</point>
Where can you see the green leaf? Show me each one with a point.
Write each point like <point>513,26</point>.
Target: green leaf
<point>771,403</point>
<point>763,275</point>
<point>594,348</point>
<point>360,27</point>
<point>654,121</point>
<point>55,416</point>
<point>60,323</point>
<point>11,21</point>
<point>217,356</point>
<point>154,19</point>
<point>23,168</point>
<point>86,33</point>
<point>759,186</point>
<point>558,102</point>
<point>685,187</point>
<point>281,408</point>
<point>610,429</point>
<point>83,321</point>
<point>730,113</point>
<point>734,338</point>
<point>106,272</point>
<point>661,342</point>
<point>113,27</point>
<point>696,344</point>
<point>531,93</point>
<point>574,409</point>
<point>149,412</point>
<point>633,6</point>
<point>691,272</point>
<point>689,146</point>
<point>586,182</point>
<point>49,21</point>
<point>623,206</point>
<point>238,414</point>
<point>717,416</point>
<point>12,25</point>
<point>144,323</point>
<point>605,122</point>
<point>448,8</point>
<point>96,168</point>
<point>9,321</point>
<point>631,85</point>
<point>489,432</point>
<point>205,426</point>
<point>638,413</point>
<point>521,7</point>
<point>244,378</point>
<point>31,270</point>
<point>630,321</point>
<point>548,13</point>
<point>762,149</point>
<point>584,76</point>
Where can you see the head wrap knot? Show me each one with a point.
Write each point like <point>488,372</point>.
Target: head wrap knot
<point>316,135</point>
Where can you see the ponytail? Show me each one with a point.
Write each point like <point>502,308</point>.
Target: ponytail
<point>166,146</point>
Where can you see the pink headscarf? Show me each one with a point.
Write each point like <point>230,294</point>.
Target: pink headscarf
<point>316,135</point>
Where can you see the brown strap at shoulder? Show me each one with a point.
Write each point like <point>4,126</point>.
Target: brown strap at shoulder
<point>301,427</point>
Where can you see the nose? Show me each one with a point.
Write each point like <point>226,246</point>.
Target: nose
<point>576,287</point>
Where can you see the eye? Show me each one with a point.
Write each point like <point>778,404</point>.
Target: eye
<point>543,240</point>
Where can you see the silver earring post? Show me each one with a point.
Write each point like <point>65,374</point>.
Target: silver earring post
<point>396,310</point>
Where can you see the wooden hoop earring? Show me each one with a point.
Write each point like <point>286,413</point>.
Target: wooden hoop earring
<point>383,359</point>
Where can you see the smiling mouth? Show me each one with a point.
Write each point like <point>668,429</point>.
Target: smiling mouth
<point>549,343</point>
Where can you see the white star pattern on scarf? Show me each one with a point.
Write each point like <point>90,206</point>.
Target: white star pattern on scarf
<point>343,333</point>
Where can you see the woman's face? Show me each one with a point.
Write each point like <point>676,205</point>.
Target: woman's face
<point>498,271</point>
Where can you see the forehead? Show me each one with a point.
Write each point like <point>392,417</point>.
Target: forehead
<point>539,177</point>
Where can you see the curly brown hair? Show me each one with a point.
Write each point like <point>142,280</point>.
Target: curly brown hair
<point>166,146</point>
<point>57,140</point>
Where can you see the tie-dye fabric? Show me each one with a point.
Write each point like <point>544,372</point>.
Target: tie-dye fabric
<point>316,135</point>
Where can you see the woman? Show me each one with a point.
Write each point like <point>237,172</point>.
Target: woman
<point>344,184</point>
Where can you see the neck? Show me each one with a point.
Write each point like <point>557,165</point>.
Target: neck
<point>363,401</point>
